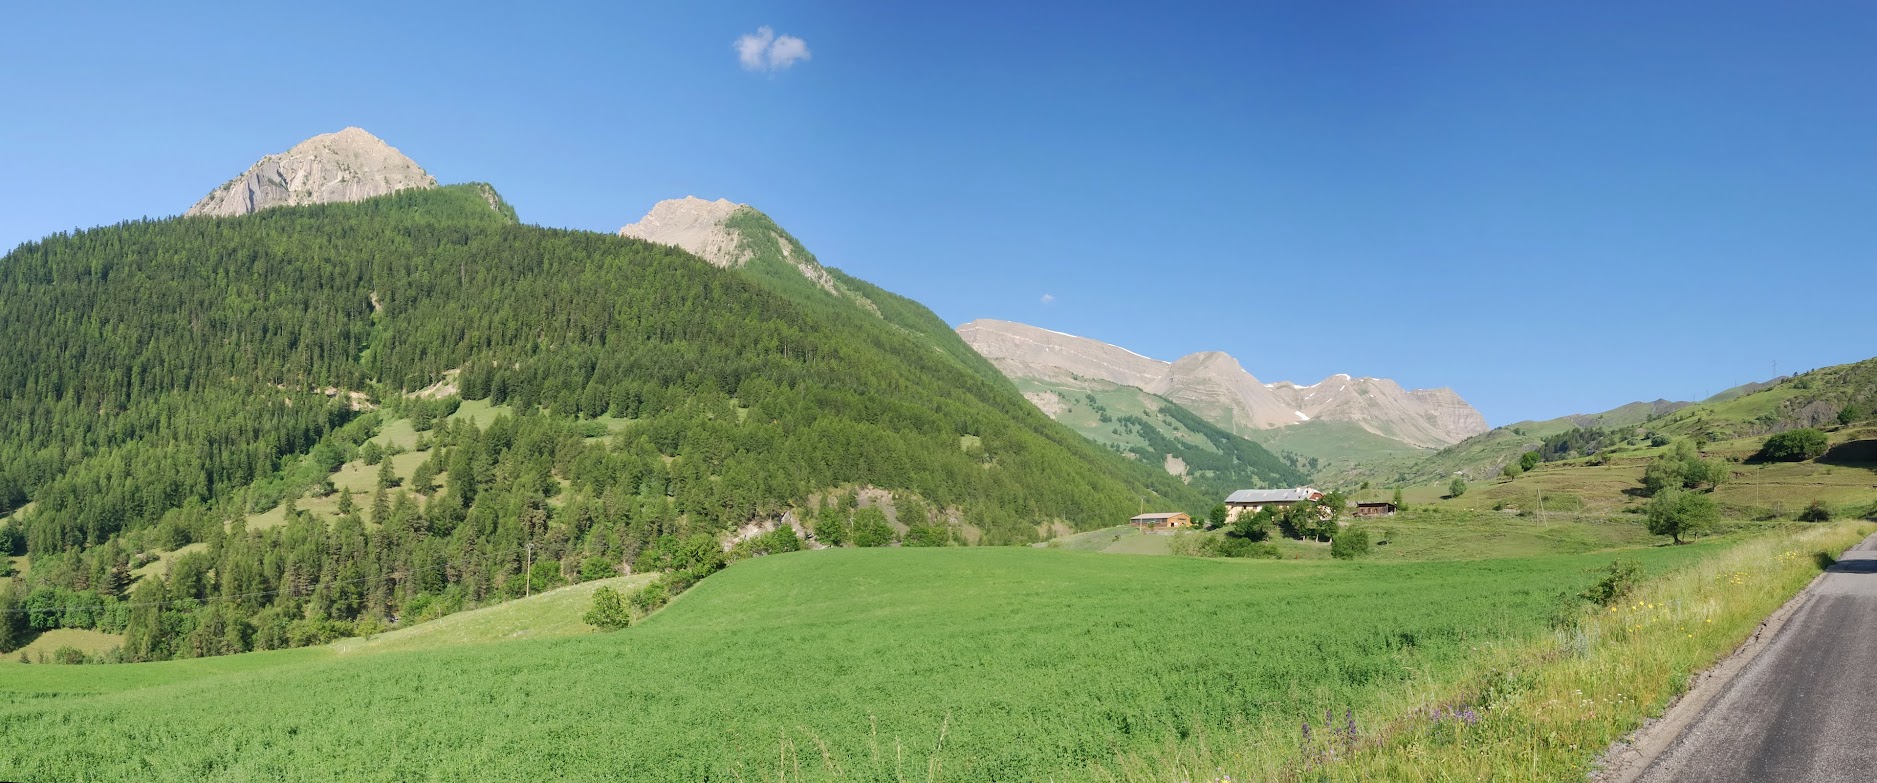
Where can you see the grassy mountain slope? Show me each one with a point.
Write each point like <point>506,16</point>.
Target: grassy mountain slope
<point>777,259</point>
<point>1030,665</point>
<point>1483,455</point>
<point>1159,433</point>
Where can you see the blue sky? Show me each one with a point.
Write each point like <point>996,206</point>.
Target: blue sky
<point>1551,210</point>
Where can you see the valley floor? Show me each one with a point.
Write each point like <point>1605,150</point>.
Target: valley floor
<point>952,664</point>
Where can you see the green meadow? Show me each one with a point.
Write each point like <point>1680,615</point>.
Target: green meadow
<point>957,664</point>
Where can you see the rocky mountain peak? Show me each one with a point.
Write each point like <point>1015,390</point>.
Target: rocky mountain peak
<point>1216,386</point>
<point>695,225</point>
<point>349,165</point>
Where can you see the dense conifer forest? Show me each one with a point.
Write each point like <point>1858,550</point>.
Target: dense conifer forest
<point>161,379</point>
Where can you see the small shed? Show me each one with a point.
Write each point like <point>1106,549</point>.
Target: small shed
<point>1162,520</point>
<point>1375,509</point>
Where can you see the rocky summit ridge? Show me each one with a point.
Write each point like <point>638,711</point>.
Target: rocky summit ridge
<point>703,229</point>
<point>1214,385</point>
<point>350,165</point>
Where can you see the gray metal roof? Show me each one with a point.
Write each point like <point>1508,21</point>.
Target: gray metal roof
<point>1291,495</point>
<point>1161,515</point>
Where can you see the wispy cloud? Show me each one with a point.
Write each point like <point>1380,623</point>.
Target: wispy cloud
<point>764,51</point>
<point>1049,299</point>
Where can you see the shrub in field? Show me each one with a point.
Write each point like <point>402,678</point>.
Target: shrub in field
<point>1619,579</point>
<point>1794,446</point>
<point>650,597</point>
<point>929,534</point>
<point>609,611</point>
<point>68,654</point>
<point>1350,544</point>
<point>1683,468</point>
<point>1233,546</point>
<point>1816,512</point>
<point>1457,487</point>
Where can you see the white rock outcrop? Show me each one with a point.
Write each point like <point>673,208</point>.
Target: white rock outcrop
<point>696,226</point>
<point>350,165</point>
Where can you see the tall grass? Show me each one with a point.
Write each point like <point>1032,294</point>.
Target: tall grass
<point>1546,708</point>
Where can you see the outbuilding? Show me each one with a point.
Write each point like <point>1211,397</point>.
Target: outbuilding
<point>1162,520</point>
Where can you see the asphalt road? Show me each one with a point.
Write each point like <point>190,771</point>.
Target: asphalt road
<point>1805,709</point>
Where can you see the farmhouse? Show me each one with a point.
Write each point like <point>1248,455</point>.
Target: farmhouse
<point>1164,520</point>
<point>1375,509</point>
<point>1251,501</point>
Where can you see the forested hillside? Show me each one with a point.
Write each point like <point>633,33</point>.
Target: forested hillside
<point>160,380</point>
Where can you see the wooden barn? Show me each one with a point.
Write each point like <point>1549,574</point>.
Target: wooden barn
<point>1162,520</point>
<point>1374,509</point>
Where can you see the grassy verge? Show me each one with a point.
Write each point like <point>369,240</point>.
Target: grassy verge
<point>1543,709</point>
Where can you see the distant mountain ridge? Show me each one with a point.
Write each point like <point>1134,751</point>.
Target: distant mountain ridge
<point>350,165</point>
<point>1214,385</point>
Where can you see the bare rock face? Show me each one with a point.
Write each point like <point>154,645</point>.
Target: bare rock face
<point>350,165</point>
<point>695,225</point>
<point>1215,386</point>
<point>1429,418</point>
<point>702,229</point>
<point>1021,350</point>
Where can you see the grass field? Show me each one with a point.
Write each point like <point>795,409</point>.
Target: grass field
<point>927,664</point>
<point>89,642</point>
<point>550,615</point>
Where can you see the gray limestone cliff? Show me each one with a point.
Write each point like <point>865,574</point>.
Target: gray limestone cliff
<point>350,165</point>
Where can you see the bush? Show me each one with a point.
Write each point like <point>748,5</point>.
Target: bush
<point>609,611</point>
<point>1816,512</point>
<point>1529,460</point>
<point>871,528</point>
<point>1795,446</point>
<point>1619,580</point>
<point>1254,527</point>
<point>1350,544</point>
<point>1457,488</point>
<point>1850,413</point>
<point>68,654</point>
<point>650,597</point>
<point>597,568</point>
<point>929,534</point>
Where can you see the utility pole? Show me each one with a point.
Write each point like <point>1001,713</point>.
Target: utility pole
<point>527,573</point>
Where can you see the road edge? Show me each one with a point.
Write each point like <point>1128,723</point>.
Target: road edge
<point>1628,758</point>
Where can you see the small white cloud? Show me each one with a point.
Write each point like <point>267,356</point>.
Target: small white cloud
<point>1049,299</point>
<point>763,50</point>
<point>787,51</point>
